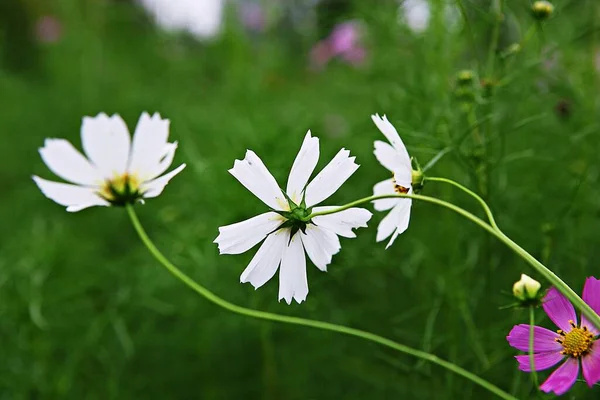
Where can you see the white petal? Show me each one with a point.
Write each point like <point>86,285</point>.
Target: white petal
<point>156,186</point>
<point>391,134</point>
<point>264,264</point>
<point>165,161</point>
<point>403,177</point>
<point>388,156</point>
<point>329,180</point>
<point>384,188</point>
<point>76,198</point>
<point>320,245</point>
<point>303,167</point>
<point>68,163</point>
<point>343,222</point>
<point>396,222</point>
<point>107,143</point>
<point>252,173</point>
<point>242,236</point>
<point>149,146</point>
<point>293,283</point>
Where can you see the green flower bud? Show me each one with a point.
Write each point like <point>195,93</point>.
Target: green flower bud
<point>542,10</point>
<point>511,50</point>
<point>526,289</point>
<point>465,77</point>
<point>418,177</point>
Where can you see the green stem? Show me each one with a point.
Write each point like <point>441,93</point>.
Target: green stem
<point>497,14</point>
<point>210,296</point>
<point>487,210</point>
<point>538,266</point>
<point>465,16</point>
<point>531,346</point>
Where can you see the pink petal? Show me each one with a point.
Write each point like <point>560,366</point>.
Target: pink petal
<point>343,37</point>
<point>591,295</point>
<point>591,365</point>
<point>355,56</point>
<point>541,361</point>
<point>543,339</point>
<point>559,309</point>
<point>563,378</point>
<point>320,55</point>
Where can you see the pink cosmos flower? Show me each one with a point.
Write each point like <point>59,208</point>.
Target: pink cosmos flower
<point>252,16</point>
<point>575,345</point>
<point>345,42</point>
<point>48,29</point>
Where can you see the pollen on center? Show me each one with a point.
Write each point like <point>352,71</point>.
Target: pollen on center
<point>399,188</point>
<point>576,342</point>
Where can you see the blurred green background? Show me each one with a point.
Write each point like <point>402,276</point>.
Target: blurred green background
<point>86,313</point>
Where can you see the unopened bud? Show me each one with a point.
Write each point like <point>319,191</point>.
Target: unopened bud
<point>465,77</point>
<point>417,176</point>
<point>526,289</point>
<point>542,10</point>
<point>511,50</point>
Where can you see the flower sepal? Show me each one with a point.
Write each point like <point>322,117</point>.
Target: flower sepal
<point>417,176</point>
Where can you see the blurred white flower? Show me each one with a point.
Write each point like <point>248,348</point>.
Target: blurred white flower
<point>116,171</point>
<point>287,235</point>
<point>396,159</point>
<point>416,14</point>
<point>201,18</point>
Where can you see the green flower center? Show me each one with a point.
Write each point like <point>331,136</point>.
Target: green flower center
<point>121,190</point>
<point>577,342</point>
<point>296,218</point>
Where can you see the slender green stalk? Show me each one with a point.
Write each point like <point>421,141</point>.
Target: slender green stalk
<point>487,210</point>
<point>531,346</point>
<point>538,266</point>
<point>465,16</point>
<point>497,14</point>
<point>210,296</point>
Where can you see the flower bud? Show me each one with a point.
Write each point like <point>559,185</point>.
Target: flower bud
<point>526,289</point>
<point>465,77</point>
<point>511,50</point>
<point>417,176</point>
<point>542,10</point>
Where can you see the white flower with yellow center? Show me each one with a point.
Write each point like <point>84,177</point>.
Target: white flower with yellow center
<point>116,171</point>
<point>287,231</point>
<point>395,158</point>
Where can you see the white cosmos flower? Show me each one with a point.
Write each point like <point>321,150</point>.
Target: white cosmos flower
<point>286,237</point>
<point>395,158</point>
<point>116,171</point>
<point>416,14</point>
<point>201,18</point>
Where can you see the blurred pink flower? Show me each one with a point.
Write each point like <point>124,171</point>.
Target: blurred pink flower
<point>344,42</point>
<point>252,16</point>
<point>344,37</point>
<point>48,29</point>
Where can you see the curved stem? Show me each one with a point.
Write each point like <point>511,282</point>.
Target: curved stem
<point>531,346</point>
<point>210,296</point>
<point>538,266</point>
<point>486,208</point>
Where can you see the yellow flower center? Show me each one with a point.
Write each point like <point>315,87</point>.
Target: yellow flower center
<point>122,189</point>
<point>577,342</point>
